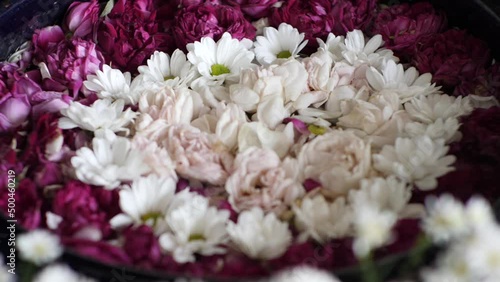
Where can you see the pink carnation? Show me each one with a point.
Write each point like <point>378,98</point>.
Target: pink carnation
<point>208,20</point>
<point>254,9</point>
<point>402,25</point>
<point>82,18</point>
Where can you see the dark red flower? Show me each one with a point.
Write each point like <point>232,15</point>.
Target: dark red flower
<point>28,203</point>
<point>453,58</point>
<point>255,9</point>
<point>353,14</point>
<point>99,250</point>
<point>402,25</point>
<point>81,19</point>
<point>45,41</point>
<point>142,246</point>
<point>485,83</point>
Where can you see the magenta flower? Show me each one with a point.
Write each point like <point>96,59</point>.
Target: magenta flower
<point>68,65</point>
<point>28,203</point>
<point>352,14</point>
<point>15,91</point>
<point>207,20</point>
<point>401,26</point>
<point>254,9</point>
<point>485,83</point>
<point>453,58</point>
<point>129,34</point>
<point>81,18</point>
<point>99,250</point>
<point>142,246</point>
<point>45,41</point>
<point>80,212</point>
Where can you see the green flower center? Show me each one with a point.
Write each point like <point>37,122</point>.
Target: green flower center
<point>314,129</point>
<point>196,237</point>
<point>154,216</point>
<point>284,54</point>
<point>218,69</point>
<point>168,77</point>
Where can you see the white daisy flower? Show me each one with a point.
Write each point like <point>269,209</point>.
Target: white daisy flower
<point>358,53</point>
<point>282,43</point>
<point>146,201</point>
<point>260,236</point>
<point>303,274</point>
<point>111,83</point>
<point>440,129</point>
<point>427,109</point>
<point>173,71</point>
<point>110,161</point>
<point>334,45</point>
<point>372,228</point>
<point>479,213</point>
<point>446,220</point>
<point>387,193</point>
<point>407,84</point>
<point>322,220</point>
<point>419,160</point>
<point>221,61</point>
<point>39,247</point>
<point>60,273</point>
<point>195,228</point>
<point>103,114</point>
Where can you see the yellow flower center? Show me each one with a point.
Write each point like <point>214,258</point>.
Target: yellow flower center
<point>218,69</point>
<point>196,237</point>
<point>284,54</point>
<point>314,129</point>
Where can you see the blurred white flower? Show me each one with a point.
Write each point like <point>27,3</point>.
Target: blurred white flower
<point>482,253</point>
<point>195,228</point>
<point>103,114</point>
<point>39,247</point>
<point>322,220</point>
<point>407,84</point>
<point>282,43</point>
<point>479,213</point>
<point>60,273</point>
<point>419,160</point>
<point>427,109</point>
<point>446,220</point>
<point>112,83</point>
<point>145,201</point>
<point>372,228</point>
<point>303,274</point>
<point>219,61</point>
<point>337,159</point>
<point>173,71</point>
<point>5,275</point>
<point>110,161</point>
<point>256,134</point>
<point>260,236</point>
<point>440,129</point>
<point>387,193</point>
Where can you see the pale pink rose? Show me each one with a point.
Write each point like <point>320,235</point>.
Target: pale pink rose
<point>155,157</point>
<point>261,179</point>
<point>198,155</point>
<point>338,160</point>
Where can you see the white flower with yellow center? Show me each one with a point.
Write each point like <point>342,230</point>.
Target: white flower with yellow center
<point>282,43</point>
<point>112,83</point>
<point>219,61</point>
<point>103,114</point>
<point>39,247</point>
<point>260,236</point>
<point>195,228</point>
<point>146,201</point>
<point>173,71</point>
<point>446,220</point>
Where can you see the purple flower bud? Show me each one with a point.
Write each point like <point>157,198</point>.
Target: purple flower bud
<point>81,18</point>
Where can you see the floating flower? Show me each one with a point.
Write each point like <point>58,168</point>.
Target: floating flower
<point>145,201</point>
<point>110,161</point>
<point>282,43</point>
<point>39,247</point>
<point>322,220</point>
<point>260,236</point>
<point>103,114</point>
<point>195,228</point>
<point>338,160</point>
<point>420,160</point>
<point>261,179</point>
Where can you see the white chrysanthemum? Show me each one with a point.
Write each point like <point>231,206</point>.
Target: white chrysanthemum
<point>387,193</point>
<point>407,84</point>
<point>483,253</point>
<point>220,61</point>
<point>111,83</point>
<point>372,228</point>
<point>256,134</point>
<point>446,219</point>
<point>334,45</point>
<point>173,71</point>
<point>427,109</point>
<point>357,52</point>
<point>103,114</point>
<point>322,220</point>
<point>282,43</point>
<point>260,236</point>
<point>440,129</point>
<point>420,160</point>
<point>303,274</point>
<point>146,201</point>
<point>195,228</point>
<point>111,160</point>
<point>479,213</point>
<point>60,273</point>
<point>39,247</point>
